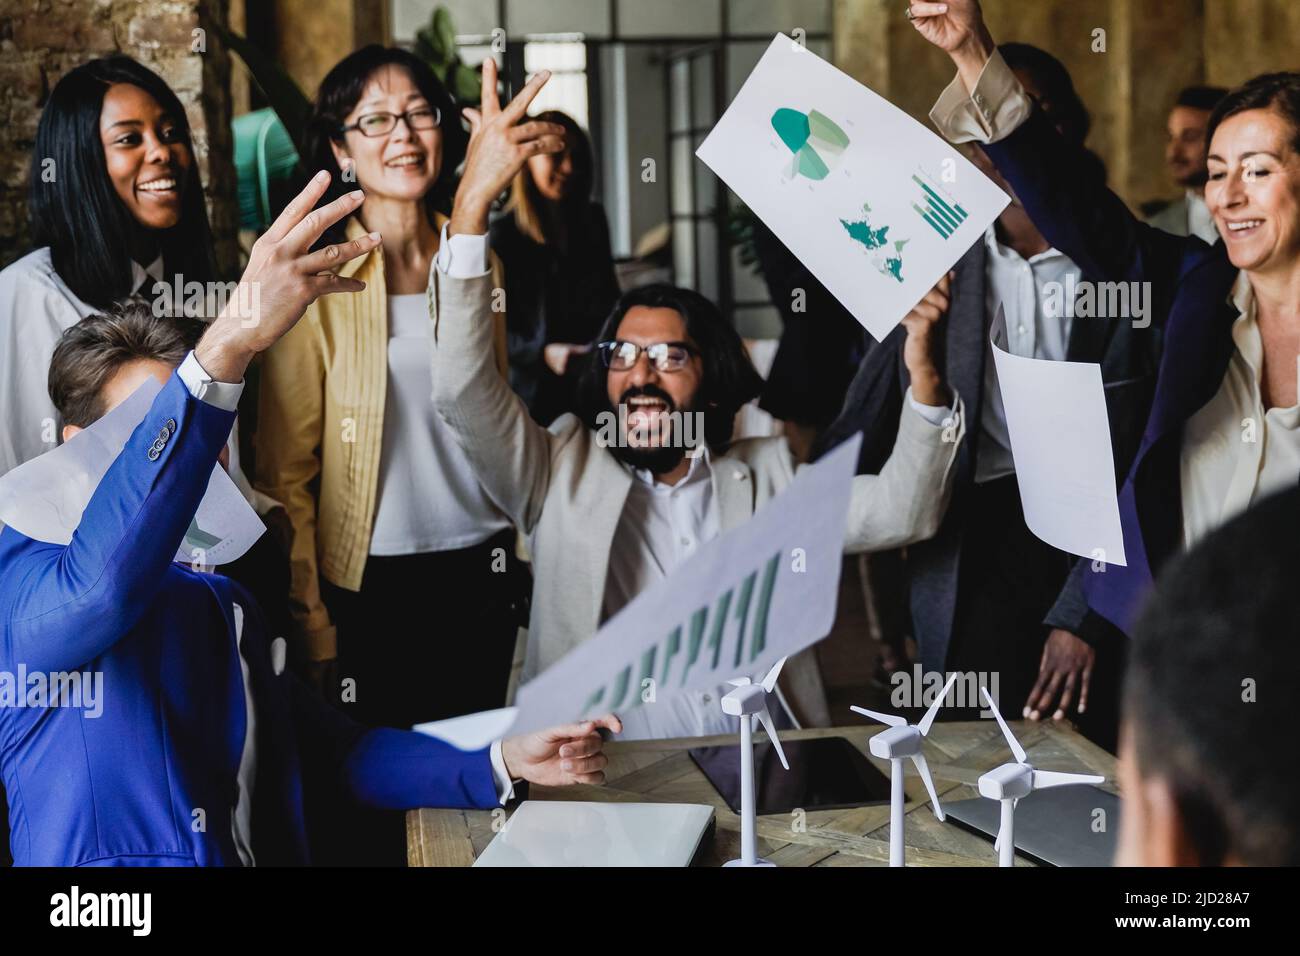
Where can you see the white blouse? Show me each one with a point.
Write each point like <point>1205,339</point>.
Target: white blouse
<point>428,496</point>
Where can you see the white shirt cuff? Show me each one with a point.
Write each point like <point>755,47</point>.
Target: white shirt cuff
<point>993,111</point>
<point>936,415</point>
<point>462,256</point>
<point>505,786</point>
<point>224,395</point>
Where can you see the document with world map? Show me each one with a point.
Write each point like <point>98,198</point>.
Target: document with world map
<point>873,203</point>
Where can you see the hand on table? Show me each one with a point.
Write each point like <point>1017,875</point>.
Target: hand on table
<point>1066,667</point>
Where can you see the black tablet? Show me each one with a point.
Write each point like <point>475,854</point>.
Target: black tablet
<point>827,773</point>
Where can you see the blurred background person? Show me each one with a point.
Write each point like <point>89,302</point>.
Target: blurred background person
<point>402,567</point>
<point>560,284</point>
<point>1185,156</point>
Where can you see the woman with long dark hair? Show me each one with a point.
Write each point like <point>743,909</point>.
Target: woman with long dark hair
<point>398,554</point>
<point>560,282</point>
<point>116,206</point>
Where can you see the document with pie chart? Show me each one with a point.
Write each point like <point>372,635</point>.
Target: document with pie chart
<point>871,201</point>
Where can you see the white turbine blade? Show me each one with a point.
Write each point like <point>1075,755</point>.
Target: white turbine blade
<point>1016,749</point>
<point>766,720</point>
<point>740,682</point>
<point>923,769</point>
<point>893,720</point>
<point>769,681</point>
<point>928,719</point>
<point>1056,778</point>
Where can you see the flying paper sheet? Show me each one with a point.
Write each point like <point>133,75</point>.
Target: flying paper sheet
<point>45,497</point>
<point>1060,441</point>
<point>874,204</point>
<point>757,593</point>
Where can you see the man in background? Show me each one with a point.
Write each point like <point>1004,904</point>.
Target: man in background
<point>1185,157</point>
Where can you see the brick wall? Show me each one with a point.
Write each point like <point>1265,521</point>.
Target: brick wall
<point>40,40</point>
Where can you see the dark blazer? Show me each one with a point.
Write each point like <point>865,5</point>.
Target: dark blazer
<point>1190,284</point>
<point>1128,360</point>
<point>153,779</point>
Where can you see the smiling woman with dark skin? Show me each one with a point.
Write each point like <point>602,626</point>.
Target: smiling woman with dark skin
<point>116,206</point>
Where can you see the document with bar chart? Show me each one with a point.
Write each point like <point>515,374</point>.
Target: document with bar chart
<point>872,202</point>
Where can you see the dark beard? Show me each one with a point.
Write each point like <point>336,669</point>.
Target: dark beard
<point>657,461</point>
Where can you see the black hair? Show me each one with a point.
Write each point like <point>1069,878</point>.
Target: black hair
<point>76,211</point>
<point>337,96</point>
<point>1212,683</point>
<point>1059,100</point>
<point>1279,91</point>
<point>89,353</point>
<point>729,379</point>
<point>1201,97</point>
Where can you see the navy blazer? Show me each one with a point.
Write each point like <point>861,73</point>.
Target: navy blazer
<point>152,780</point>
<point>1128,359</point>
<point>1190,283</point>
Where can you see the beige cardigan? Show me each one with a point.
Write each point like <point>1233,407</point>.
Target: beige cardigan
<point>566,492</point>
<point>321,417</point>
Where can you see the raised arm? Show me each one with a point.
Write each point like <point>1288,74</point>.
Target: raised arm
<point>906,501</point>
<point>68,605</point>
<point>510,453</point>
<point>1054,179</point>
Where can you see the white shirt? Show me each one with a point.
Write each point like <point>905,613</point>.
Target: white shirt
<point>1018,285</point>
<point>428,497</point>
<point>1233,451</point>
<point>1199,221</point>
<point>225,395</point>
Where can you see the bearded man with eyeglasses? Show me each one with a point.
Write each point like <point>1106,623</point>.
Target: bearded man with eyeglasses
<point>607,518</point>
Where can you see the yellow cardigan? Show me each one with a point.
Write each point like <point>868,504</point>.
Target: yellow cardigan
<point>319,430</point>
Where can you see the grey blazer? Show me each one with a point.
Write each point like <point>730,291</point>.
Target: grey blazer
<point>566,492</point>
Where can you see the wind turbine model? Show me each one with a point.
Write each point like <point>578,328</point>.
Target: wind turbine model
<point>749,702</point>
<point>904,740</point>
<point>1011,781</point>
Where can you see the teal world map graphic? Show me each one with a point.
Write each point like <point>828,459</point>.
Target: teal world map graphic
<point>887,261</point>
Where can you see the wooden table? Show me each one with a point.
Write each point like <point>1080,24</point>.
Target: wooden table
<point>661,771</point>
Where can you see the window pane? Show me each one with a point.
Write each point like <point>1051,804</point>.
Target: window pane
<point>706,283</point>
<point>746,284</point>
<point>531,17</point>
<point>762,322</point>
<point>742,57</point>
<point>684,253</point>
<point>558,56</point>
<point>681,174</point>
<point>706,181</point>
<point>469,17</point>
<point>780,16</point>
<point>669,18</point>
<point>702,91</point>
<point>679,88</point>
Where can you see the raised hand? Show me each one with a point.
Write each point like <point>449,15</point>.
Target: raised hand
<point>923,350</point>
<point>283,277</point>
<point>499,145</point>
<point>956,27</point>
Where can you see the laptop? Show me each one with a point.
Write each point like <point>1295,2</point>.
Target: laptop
<point>1059,826</point>
<point>574,833</point>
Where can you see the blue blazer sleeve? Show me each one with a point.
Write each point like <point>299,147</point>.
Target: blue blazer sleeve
<point>391,769</point>
<point>1068,200</point>
<point>65,606</point>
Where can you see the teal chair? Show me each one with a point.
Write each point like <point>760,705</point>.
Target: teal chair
<point>265,157</point>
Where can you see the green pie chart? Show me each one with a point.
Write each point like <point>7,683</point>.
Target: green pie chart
<point>815,140</point>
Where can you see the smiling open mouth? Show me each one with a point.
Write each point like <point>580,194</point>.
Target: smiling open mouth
<point>165,184</point>
<point>1246,225</point>
<point>405,160</point>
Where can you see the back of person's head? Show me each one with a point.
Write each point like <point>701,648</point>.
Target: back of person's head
<point>1209,703</point>
<point>72,204</point>
<point>1200,97</point>
<point>1275,91</point>
<point>341,90</point>
<point>91,352</point>
<point>526,200</point>
<point>1053,88</point>
<point>729,379</point>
